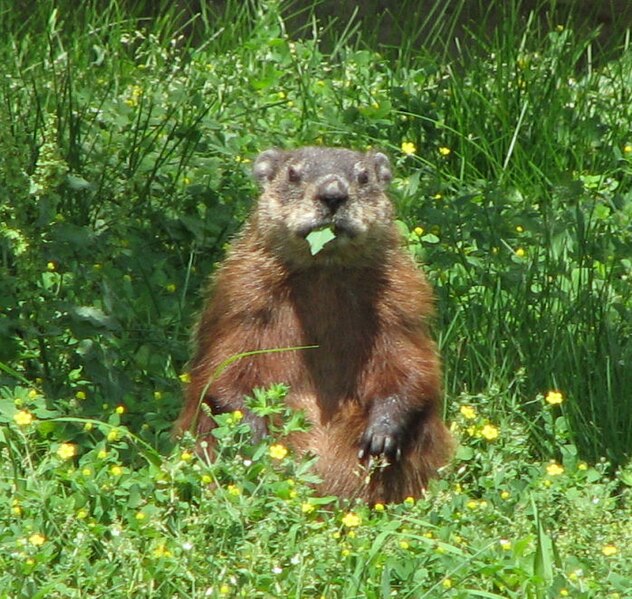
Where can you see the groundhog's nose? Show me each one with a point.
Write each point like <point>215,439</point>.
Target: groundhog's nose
<point>333,193</point>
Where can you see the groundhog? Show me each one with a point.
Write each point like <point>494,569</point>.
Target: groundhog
<point>371,388</point>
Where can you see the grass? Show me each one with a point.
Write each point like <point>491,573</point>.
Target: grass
<point>124,171</point>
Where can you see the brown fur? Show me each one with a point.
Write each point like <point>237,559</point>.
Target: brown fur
<point>373,384</point>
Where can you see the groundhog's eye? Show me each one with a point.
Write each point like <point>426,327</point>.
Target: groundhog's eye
<point>363,177</point>
<point>293,175</point>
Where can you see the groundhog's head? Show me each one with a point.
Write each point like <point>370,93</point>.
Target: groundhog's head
<point>313,188</point>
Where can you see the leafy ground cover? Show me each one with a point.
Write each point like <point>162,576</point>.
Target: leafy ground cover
<point>124,171</point>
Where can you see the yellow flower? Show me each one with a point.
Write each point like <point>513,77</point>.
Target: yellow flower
<point>80,395</point>
<point>157,395</point>
<point>419,231</point>
<point>86,471</point>
<point>102,454</point>
<point>351,520</point>
<point>224,589</point>
<point>37,539</point>
<point>404,544</point>
<point>554,469</point>
<point>162,551</point>
<point>444,151</point>
<point>113,435</point>
<point>472,504</point>
<point>520,252</point>
<point>116,470</point>
<point>171,288</point>
<point>554,398</point>
<point>278,451</point>
<point>609,550</point>
<point>119,410</point>
<point>238,415</point>
<point>468,412</point>
<point>408,148</point>
<point>206,479</point>
<point>82,514</point>
<point>505,544</point>
<point>378,507</point>
<point>627,149</point>
<point>446,583</point>
<point>582,466</point>
<point>409,501</point>
<point>519,229</point>
<point>186,456</point>
<point>437,196</point>
<point>490,432</point>
<point>307,508</point>
<point>67,451</point>
<point>23,418</point>
<point>33,394</point>
<point>233,490</point>
<point>185,377</point>
<point>140,516</point>
<point>505,495</point>
<point>51,266</point>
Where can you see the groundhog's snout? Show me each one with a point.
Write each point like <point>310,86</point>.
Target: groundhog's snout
<point>333,192</point>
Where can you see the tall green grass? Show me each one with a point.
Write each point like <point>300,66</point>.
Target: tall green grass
<point>123,162</point>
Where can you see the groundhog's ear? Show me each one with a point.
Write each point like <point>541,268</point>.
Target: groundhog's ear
<point>266,165</point>
<point>382,168</point>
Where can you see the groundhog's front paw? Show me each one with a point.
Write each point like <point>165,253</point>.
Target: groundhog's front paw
<point>258,426</point>
<point>383,437</point>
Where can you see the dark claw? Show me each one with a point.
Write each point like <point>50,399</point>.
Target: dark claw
<point>381,439</point>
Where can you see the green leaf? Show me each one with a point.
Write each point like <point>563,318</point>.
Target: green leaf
<point>319,239</point>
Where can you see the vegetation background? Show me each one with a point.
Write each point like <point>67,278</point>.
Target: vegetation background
<point>126,136</point>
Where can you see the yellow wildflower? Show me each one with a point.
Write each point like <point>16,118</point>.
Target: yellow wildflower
<point>446,583</point>
<point>520,252</point>
<point>419,231</point>
<point>408,148</point>
<point>519,229</point>
<point>554,469</point>
<point>51,266</point>
<point>116,470</point>
<point>171,288</point>
<point>351,520</point>
<point>627,149</point>
<point>505,495</point>
<point>609,550</point>
<point>404,545</point>
<point>233,490</point>
<point>554,398</point>
<point>162,551</point>
<point>490,432</point>
<point>186,456</point>
<point>505,544</point>
<point>444,151</point>
<point>409,501</point>
<point>37,539</point>
<point>119,410</point>
<point>80,395</point>
<point>67,451</point>
<point>23,418</point>
<point>185,377</point>
<point>468,412</point>
<point>307,508</point>
<point>379,507</point>
<point>278,451</point>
